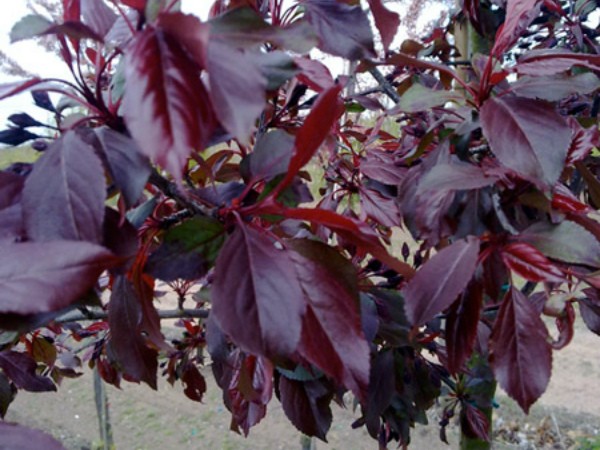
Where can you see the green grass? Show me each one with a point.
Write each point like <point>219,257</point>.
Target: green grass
<point>11,155</point>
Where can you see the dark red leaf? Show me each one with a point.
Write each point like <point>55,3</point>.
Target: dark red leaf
<point>38,277</point>
<point>584,141</point>
<point>521,355</point>
<point>314,74</point>
<point>306,404</point>
<point>552,61</point>
<point>332,337</point>
<point>519,14</point>
<point>127,346</point>
<point>440,280</point>
<point>64,196</point>
<point>357,232</point>
<point>529,263</point>
<point>565,325</point>
<point>261,308</point>
<point>564,200</point>
<point>477,423</point>
<point>527,136</point>
<point>71,10</point>
<point>130,169</point>
<point>567,241</point>
<point>343,29</point>
<point>140,5</point>
<point>590,309</point>
<point>386,21</point>
<point>249,391</point>
<point>316,128</point>
<point>194,382</point>
<point>98,16</point>
<point>461,327</point>
<point>21,369</point>
<point>165,104</point>
<point>18,437</point>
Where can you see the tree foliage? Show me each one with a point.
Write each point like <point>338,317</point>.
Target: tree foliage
<point>380,242</point>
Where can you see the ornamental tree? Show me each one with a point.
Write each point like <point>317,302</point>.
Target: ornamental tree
<point>401,242</point>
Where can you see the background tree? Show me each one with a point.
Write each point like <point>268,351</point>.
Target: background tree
<point>417,267</point>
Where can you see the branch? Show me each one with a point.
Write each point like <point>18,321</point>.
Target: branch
<point>80,316</point>
<point>387,87</point>
<point>170,190</point>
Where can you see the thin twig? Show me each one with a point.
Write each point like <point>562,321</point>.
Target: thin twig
<point>80,316</point>
<point>387,87</point>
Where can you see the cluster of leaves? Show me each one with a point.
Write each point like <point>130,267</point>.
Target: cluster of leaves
<point>185,151</point>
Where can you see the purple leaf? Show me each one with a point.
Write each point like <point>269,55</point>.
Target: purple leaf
<point>24,120</point>
<point>420,98</point>
<point>271,156</point>
<point>527,136</point>
<point>521,355</point>
<point>476,422</point>
<point>261,308</point>
<point>379,166</point>
<point>552,61</point>
<point>127,345</point>
<point>590,309</point>
<point>519,14</point>
<point>238,95</point>
<point>16,136</point>
<point>17,437</point>
<point>567,241</point>
<point>306,404</point>
<point>8,391</point>
<point>98,16</point>
<point>380,208</point>
<point>34,25</point>
<point>450,177</point>
<point>461,327</point>
<point>452,269</point>
<point>250,390</point>
<point>130,169</point>
<point>21,369</point>
<point>38,277</point>
<point>382,386</point>
<point>165,104</point>
<point>64,196</point>
<point>332,337</point>
<point>343,29</point>
<point>556,87</point>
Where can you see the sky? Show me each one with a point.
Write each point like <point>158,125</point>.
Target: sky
<point>36,60</point>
